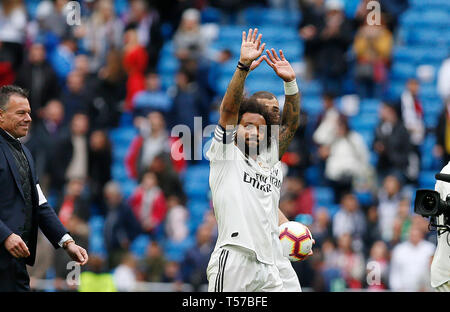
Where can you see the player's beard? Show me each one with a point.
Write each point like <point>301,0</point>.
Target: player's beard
<point>252,150</point>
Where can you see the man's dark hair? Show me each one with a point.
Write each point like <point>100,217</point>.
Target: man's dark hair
<point>263,95</point>
<point>252,106</point>
<point>7,91</point>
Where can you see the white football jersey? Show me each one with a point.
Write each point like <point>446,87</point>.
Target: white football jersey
<point>241,189</point>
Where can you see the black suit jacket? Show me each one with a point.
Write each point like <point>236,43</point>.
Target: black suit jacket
<point>12,207</point>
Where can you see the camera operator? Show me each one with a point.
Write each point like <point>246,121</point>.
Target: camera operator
<point>440,267</point>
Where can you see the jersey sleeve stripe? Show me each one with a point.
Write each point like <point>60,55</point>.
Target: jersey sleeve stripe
<point>224,137</point>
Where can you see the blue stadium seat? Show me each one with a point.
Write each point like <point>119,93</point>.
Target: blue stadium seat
<point>332,209</point>
<point>167,64</point>
<point>123,135</point>
<point>368,136</point>
<point>121,7</point>
<point>127,187</point>
<point>313,176</point>
<point>174,251</point>
<point>119,172</point>
<point>427,180</point>
<point>312,104</point>
<point>369,106</point>
<point>364,198</point>
<point>139,245</point>
<point>403,70</point>
<point>365,121</point>
<point>323,195</point>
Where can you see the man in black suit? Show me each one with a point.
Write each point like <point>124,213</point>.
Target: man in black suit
<point>23,206</point>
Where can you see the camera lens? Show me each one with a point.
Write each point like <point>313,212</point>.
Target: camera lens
<point>429,202</point>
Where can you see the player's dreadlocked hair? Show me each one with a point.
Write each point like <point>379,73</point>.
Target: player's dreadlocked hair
<point>250,105</point>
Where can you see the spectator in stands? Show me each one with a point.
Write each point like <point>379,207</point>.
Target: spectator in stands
<point>74,214</point>
<point>102,31</point>
<point>389,197</point>
<point>99,164</point>
<point>303,197</point>
<point>152,140</point>
<point>13,22</point>
<point>152,98</point>
<point>62,58</point>
<point>410,263</point>
<point>346,158</point>
<point>327,123</point>
<point>44,134</point>
<point>413,114</point>
<point>152,266</point>
<point>378,263</point>
<point>442,133</point>
<point>311,25</point>
<point>96,278</point>
<point>188,102</point>
<point>121,226</point>
<point>75,96</point>
<point>443,77</point>
<point>135,61</point>
<point>373,47</point>
<point>321,226</point>
<point>403,220</point>
<point>334,40</point>
<point>373,232</point>
<point>331,275</point>
<point>349,219</point>
<point>125,274</point>
<point>298,155</point>
<point>176,228</point>
<point>168,178</point>
<point>172,274</point>
<point>391,143</point>
<point>54,17</point>
<point>70,157</point>
<point>108,93</point>
<point>149,33</point>
<point>38,77</point>
<point>188,40</point>
<point>196,258</point>
<point>350,262</point>
<point>149,203</point>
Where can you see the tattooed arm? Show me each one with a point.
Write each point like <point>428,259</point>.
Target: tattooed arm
<point>289,122</point>
<point>251,49</point>
<point>290,118</point>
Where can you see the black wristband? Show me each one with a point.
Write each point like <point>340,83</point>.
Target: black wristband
<point>243,67</point>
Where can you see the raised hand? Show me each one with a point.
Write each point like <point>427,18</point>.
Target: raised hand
<point>251,47</point>
<point>280,65</point>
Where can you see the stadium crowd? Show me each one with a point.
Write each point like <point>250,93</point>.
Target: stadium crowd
<point>87,80</point>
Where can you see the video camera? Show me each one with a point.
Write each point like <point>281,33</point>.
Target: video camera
<point>428,203</point>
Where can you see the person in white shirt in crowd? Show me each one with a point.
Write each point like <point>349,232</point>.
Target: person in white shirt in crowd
<point>389,197</point>
<point>413,114</point>
<point>345,158</point>
<point>125,274</point>
<point>328,122</point>
<point>443,78</point>
<point>176,220</point>
<point>350,220</point>
<point>410,263</point>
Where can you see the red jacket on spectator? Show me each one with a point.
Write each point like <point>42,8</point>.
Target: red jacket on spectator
<point>158,209</point>
<point>135,62</point>
<point>132,158</point>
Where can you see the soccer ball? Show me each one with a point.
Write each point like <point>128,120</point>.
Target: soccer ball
<point>296,240</point>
